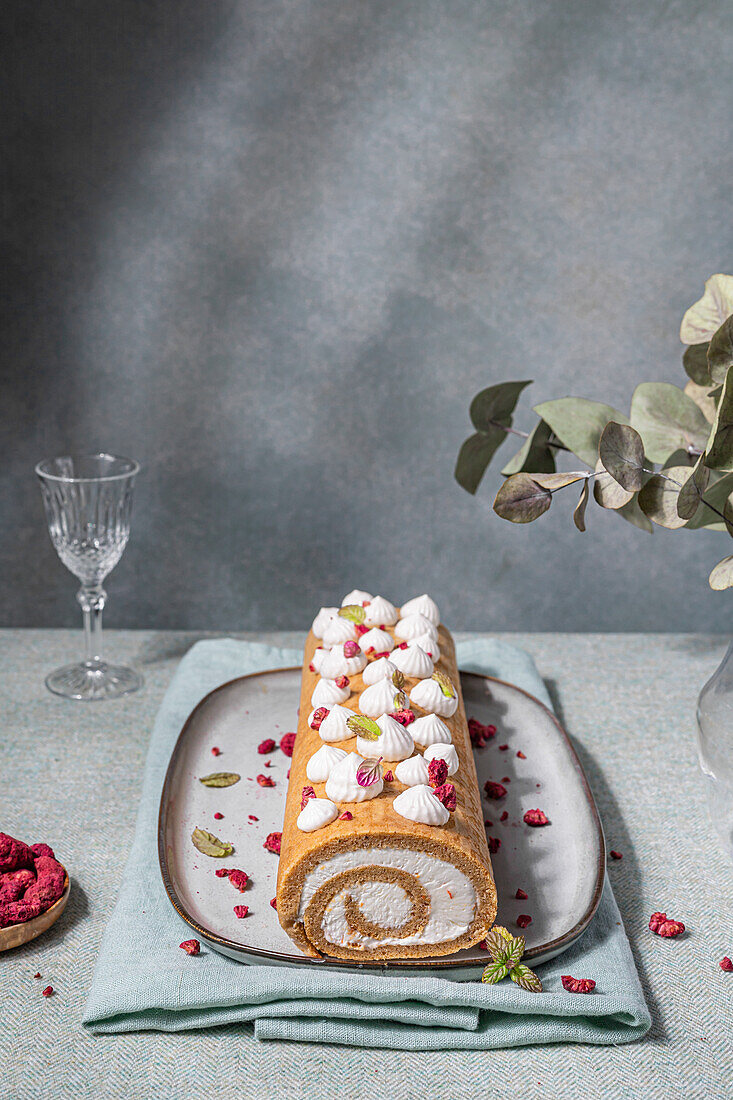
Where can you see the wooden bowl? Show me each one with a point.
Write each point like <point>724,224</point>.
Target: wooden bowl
<point>16,934</point>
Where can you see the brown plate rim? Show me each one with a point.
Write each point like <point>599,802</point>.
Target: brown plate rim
<point>441,962</point>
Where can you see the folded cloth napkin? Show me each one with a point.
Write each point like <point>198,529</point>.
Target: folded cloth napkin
<point>144,981</point>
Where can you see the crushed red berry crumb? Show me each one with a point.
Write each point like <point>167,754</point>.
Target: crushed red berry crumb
<point>381,653</point>
<point>437,772</point>
<point>342,681</point>
<point>663,926</point>
<point>273,903</point>
<point>241,910</point>
<point>253,818</point>
<point>306,794</point>
<point>346,816</point>
<point>216,751</point>
<point>268,745</point>
<point>48,991</point>
<point>221,872</point>
<point>483,945</point>
<point>536,818</point>
<point>319,715</point>
<point>218,817</point>
<point>238,879</point>
<point>494,844</point>
<point>388,777</point>
<point>504,815</point>
<point>265,781</point>
<point>361,628</point>
<point>479,733</point>
<point>273,843</point>
<point>725,963</point>
<point>521,895</point>
<point>494,790</point>
<point>577,985</point>
<point>505,779</point>
<point>488,823</point>
<point>521,755</point>
<point>38,975</point>
<point>311,668</point>
<point>404,717</point>
<point>191,947</point>
<point>446,794</point>
<point>503,748</point>
<point>615,855</point>
<point>523,920</point>
<point>402,645</point>
<point>287,743</point>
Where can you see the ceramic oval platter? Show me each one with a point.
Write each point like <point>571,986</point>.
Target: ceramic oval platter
<point>560,867</point>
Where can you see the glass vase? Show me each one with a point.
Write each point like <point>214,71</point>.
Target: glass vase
<point>715,747</point>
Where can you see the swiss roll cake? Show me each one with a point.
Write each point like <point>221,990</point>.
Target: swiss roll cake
<point>384,852</point>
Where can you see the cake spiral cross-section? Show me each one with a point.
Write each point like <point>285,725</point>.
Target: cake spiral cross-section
<point>384,852</point>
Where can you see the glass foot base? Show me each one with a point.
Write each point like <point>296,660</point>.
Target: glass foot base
<point>93,681</point>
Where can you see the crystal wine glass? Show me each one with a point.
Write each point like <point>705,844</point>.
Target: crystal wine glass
<point>88,500</point>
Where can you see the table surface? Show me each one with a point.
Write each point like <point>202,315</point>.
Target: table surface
<point>71,774</point>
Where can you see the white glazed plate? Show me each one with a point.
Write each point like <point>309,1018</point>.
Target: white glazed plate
<point>560,866</point>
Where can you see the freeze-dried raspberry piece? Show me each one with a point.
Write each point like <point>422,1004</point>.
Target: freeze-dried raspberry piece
<point>505,779</point>
<point>521,755</point>
<point>14,854</point>
<point>577,985</point>
<point>437,772</point>
<point>523,920</point>
<point>361,628</point>
<point>221,872</point>
<point>218,817</point>
<point>521,895</point>
<point>306,794</point>
<point>402,645</point>
<point>252,817</point>
<point>287,743</point>
<point>488,824</point>
<point>216,751</point>
<point>191,947</point>
<point>615,855</point>
<point>504,815</point>
<point>494,844</point>
<point>42,850</point>
<point>503,748</point>
<point>319,716</point>
<point>241,910</point>
<point>479,733</point>
<point>494,790</point>
<point>725,963</point>
<point>346,816</point>
<point>13,884</point>
<point>351,649</point>
<point>664,926</point>
<point>404,717</point>
<point>239,879</point>
<point>48,991</point>
<point>536,818</point>
<point>447,795</point>
<point>266,746</point>
<point>273,842</point>
<point>273,903</point>
<point>342,681</point>
<point>265,781</point>
<point>388,777</point>
<point>483,945</point>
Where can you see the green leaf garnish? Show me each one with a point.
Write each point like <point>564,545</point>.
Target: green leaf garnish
<point>400,701</point>
<point>210,845</point>
<point>494,972</point>
<point>525,978</point>
<point>354,612</point>
<point>497,945</point>
<point>515,949</point>
<point>220,779</point>
<point>364,727</point>
<point>444,684</point>
<point>398,678</point>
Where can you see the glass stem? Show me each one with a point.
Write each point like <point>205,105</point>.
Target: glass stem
<point>92,598</point>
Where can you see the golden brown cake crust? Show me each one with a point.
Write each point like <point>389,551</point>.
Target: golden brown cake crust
<point>375,824</point>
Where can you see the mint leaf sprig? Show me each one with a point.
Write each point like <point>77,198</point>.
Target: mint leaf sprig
<point>505,951</point>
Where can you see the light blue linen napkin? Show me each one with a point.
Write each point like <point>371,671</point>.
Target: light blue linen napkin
<point>143,980</point>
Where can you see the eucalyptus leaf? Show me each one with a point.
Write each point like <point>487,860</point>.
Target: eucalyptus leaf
<point>703,398</point>
<point>720,351</point>
<point>496,405</point>
<point>521,499</point>
<point>667,420</point>
<point>633,514</point>
<point>535,453</point>
<point>475,456</point>
<point>728,515</point>
<point>722,575</point>
<point>690,495</point>
<point>622,453</point>
<point>559,481</point>
<point>719,450</point>
<point>658,498</point>
<point>607,491</point>
<point>210,845</point>
<point>695,362</point>
<point>579,513</point>
<point>716,495</point>
<point>220,779</point>
<point>702,319</point>
<point>578,423</point>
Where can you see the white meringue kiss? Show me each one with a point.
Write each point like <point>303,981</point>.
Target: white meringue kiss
<point>381,669</point>
<point>440,751</point>
<point>380,612</point>
<point>428,694</point>
<point>322,763</point>
<point>428,643</point>
<point>378,699</point>
<point>316,813</point>
<point>412,626</point>
<point>341,785</point>
<point>319,655</point>
<point>335,663</point>
<point>378,640</point>
<point>429,730</point>
<point>327,692</point>
<point>394,744</point>
<point>356,596</point>
<point>420,804</point>
<point>413,661</point>
<point>322,619</point>
<point>338,630</point>
<point>421,605</point>
<point>412,771</point>
<point>333,726</point>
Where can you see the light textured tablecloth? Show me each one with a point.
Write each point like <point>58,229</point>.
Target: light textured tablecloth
<point>74,774</point>
<point>143,980</point>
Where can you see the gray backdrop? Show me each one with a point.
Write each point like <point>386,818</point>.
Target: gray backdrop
<point>271,249</point>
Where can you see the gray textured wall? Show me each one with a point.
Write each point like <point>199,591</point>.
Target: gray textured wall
<point>272,249</point>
